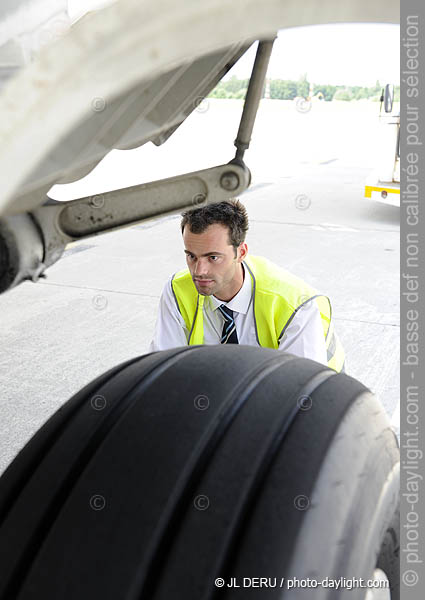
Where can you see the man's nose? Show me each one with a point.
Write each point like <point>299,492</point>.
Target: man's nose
<point>201,268</point>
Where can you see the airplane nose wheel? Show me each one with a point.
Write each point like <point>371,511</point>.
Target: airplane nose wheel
<point>184,468</point>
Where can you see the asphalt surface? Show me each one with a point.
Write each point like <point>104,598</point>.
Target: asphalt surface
<point>98,305</point>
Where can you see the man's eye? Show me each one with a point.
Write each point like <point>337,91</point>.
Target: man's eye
<point>214,258</point>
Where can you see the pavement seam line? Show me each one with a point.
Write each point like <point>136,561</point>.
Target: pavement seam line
<point>368,322</point>
<point>325,227</point>
<point>80,287</point>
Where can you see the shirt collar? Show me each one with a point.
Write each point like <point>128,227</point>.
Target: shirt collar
<point>240,303</point>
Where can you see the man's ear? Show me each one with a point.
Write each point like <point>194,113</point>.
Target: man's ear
<point>242,252</point>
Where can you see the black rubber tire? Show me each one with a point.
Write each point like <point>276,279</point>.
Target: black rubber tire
<point>199,463</point>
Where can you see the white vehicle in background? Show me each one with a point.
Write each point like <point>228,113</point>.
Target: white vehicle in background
<point>383,184</point>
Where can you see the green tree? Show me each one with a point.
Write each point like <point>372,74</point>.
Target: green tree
<point>217,92</point>
<point>354,90</point>
<point>328,91</point>
<point>233,88</point>
<point>291,90</point>
<point>361,93</point>
<point>234,84</point>
<point>277,89</point>
<point>303,87</point>
<point>283,89</point>
<point>343,94</point>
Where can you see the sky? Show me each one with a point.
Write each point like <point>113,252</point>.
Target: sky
<point>339,54</point>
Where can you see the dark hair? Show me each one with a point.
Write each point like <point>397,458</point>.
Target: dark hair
<point>231,213</point>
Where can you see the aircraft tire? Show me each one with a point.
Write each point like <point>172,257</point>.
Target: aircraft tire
<point>183,469</point>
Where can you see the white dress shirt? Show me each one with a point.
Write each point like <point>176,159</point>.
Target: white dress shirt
<point>303,336</point>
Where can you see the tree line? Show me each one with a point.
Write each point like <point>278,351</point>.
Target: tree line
<point>285,89</point>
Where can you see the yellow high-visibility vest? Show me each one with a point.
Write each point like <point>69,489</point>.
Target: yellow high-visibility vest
<point>278,295</point>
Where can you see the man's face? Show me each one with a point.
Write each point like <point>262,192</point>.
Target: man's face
<point>211,259</point>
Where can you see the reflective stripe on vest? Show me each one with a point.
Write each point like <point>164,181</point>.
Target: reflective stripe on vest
<point>277,297</point>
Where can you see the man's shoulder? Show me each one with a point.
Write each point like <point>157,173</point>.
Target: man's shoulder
<point>264,264</point>
<point>181,275</point>
<point>270,275</point>
<point>274,282</point>
<point>183,289</point>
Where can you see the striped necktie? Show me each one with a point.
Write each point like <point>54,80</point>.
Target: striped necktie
<point>229,335</point>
